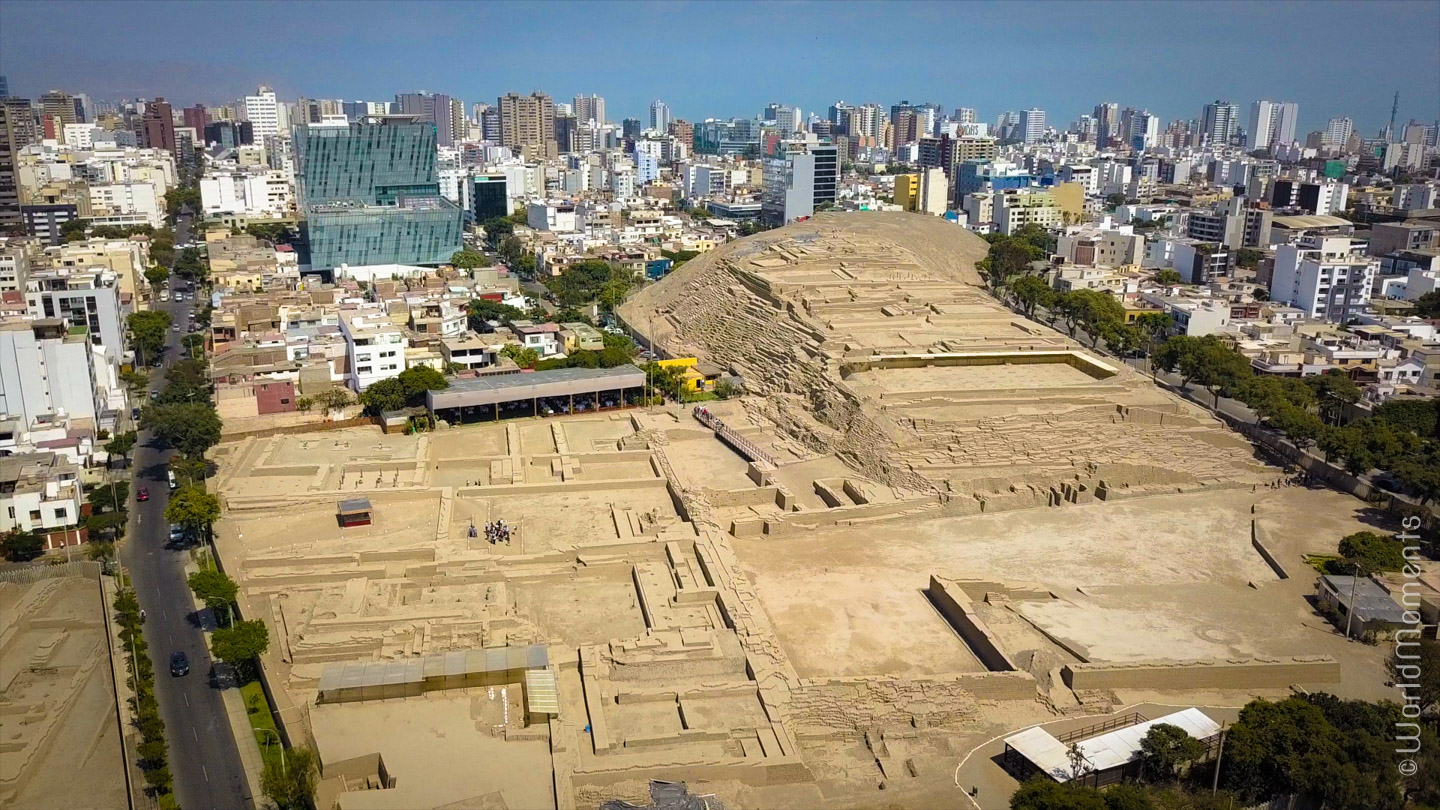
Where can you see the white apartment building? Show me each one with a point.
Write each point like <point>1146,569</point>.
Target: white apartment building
<point>1416,196</point>
<point>1089,246</point>
<point>39,492</point>
<point>1078,173</point>
<point>263,113</point>
<point>262,194</point>
<point>47,370</point>
<point>127,204</point>
<point>375,346</point>
<point>551,216</point>
<point>934,192</point>
<point>1328,277</point>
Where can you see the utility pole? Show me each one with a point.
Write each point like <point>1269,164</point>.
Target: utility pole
<point>1350,611</point>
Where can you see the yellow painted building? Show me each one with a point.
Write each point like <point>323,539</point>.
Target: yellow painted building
<point>907,191</point>
<point>1070,197</point>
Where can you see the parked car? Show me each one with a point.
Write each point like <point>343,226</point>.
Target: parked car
<point>177,532</point>
<point>179,665</point>
<point>142,494</point>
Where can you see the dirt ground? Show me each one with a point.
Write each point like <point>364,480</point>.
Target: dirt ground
<point>1157,577</point>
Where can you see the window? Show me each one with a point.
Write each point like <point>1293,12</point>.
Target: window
<point>61,514</point>
<point>35,515</point>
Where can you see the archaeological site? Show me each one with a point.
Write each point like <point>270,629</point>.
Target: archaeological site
<point>929,523</point>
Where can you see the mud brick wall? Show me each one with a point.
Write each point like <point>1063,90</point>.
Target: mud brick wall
<point>1245,673</point>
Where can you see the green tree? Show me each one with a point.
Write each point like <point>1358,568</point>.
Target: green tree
<point>73,230</point>
<point>523,357</point>
<point>1335,392</point>
<point>147,331</point>
<point>190,265</point>
<point>1031,292</point>
<point>1165,748</point>
<point>194,508</point>
<point>496,229</point>
<point>291,785</point>
<point>240,644</point>
<point>1368,553</point>
<point>1168,277</point>
<point>1043,793</point>
<point>481,312</point>
<point>1420,667</point>
<point>190,427</point>
<point>385,395</point>
<point>106,526</point>
<point>1428,305</point>
<point>22,546</point>
<point>419,379</point>
<point>1249,258</point>
<point>215,589</point>
<point>187,380</point>
<point>157,276</point>
<point>121,444</point>
<point>333,398</point>
<point>469,259</point>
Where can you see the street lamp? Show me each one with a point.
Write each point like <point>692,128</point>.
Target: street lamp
<point>278,741</point>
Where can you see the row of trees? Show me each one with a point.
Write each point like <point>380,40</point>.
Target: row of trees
<point>1400,437</point>
<point>1328,751</point>
<point>590,281</point>
<point>151,752</point>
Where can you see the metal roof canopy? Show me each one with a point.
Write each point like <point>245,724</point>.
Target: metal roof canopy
<point>559,382</point>
<point>355,506</point>
<point>1106,751</point>
<point>457,663</point>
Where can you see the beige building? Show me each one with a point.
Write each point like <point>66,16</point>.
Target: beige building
<point>529,123</point>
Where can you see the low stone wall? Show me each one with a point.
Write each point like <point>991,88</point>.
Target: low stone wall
<point>1240,673</point>
<point>1257,539</point>
<point>822,706</point>
<point>958,610</point>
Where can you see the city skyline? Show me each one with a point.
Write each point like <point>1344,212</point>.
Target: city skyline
<point>1062,58</point>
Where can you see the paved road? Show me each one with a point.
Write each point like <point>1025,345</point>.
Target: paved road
<point>203,758</point>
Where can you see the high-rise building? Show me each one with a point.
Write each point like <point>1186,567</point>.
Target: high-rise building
<point>800,179</point>
<point>528,122</point>
<point>1328,277</point>
<point>839,113</point>
<point>565,127</point>
<point>590,108</point>
<point>60,107</point>
<point>630,128</point>
<point>489,197</point>
<point>196,118</point>
<point>4,86</point>
<point>157,126</point>
<point>1337,134</point>
<point>1272,123</point>
<point>370,194</point>
<point>1219,122</point>
<point>446,113</point>
<point>964,115</point>
<point>684,132</point>
<point>1107,121</point>
<point>17,130</point>
<point>905,126</point>
<point>1032,125</point>
<point>488,117</point>
<point>659,116</point>
<point>263,113</point>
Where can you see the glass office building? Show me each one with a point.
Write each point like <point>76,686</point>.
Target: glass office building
<point>416,230</point>
<point>489,197</point>
<point>370,193</point>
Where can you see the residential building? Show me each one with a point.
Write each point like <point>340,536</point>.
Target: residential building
<point>907,191</point>
<point>1416,196</point>
<point>1016,208</point>
<point>17,130</point>
<point>660,117</point>
<point>590,108</point>
<point>263,112</point>
<point>799,180</point>
<point>934,192</point>
<point>1231,224</point>
<point>375,347</point>
<point>262,193</point>
<point>1220,121</point>
<point>528,123</point>
<point>40,492</point>
<point>1272,123</point>
<point>1088,246</point>
<point>446,113</point>
<point>157,126</point>
<point>87,297</point>
<point>1337,135</point>
<point>1328,277</point>
<point>47,369</point>
<point>1412,234</point>
<point>1201,262</point>
<point>1032,125</point>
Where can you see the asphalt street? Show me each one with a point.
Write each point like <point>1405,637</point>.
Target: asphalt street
<point>204,760</point>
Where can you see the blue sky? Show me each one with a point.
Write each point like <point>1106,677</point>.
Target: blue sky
<point>730,58</point>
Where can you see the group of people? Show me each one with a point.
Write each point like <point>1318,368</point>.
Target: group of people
<point>497,532</point>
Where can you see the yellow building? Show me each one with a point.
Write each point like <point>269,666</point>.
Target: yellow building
<point>907,191</point>
<point>1070,197</point>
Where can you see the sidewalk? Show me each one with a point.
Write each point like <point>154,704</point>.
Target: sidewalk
<point>238,716</point>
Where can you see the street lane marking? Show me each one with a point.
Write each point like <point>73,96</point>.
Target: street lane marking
<point>207,773</point>
<point>195,735</point>
<point>187,699</point>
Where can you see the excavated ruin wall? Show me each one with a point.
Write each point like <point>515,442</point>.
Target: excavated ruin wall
<point>822,705</point>
<point>1248,673</point>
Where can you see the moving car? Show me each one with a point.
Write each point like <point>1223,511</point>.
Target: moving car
<point>142,494</point>
<point>179,665</point>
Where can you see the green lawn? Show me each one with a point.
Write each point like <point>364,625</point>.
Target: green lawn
<point>258,709</point>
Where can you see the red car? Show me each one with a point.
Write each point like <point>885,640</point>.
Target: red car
<point>142,494</point>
